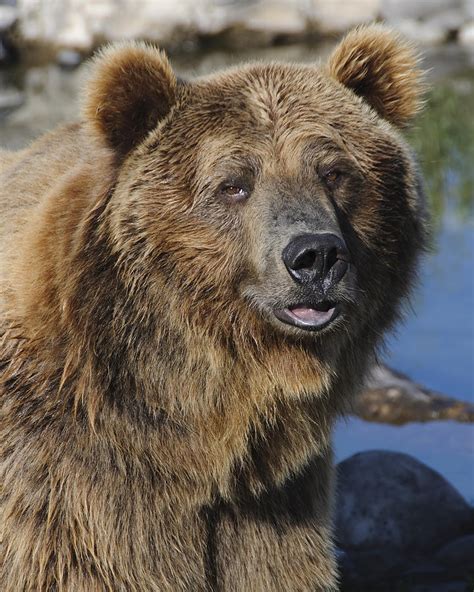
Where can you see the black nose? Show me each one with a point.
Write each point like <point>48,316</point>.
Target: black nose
<point>316,257</point>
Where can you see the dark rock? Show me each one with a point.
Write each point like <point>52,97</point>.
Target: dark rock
<point>458,555</point>
<point>369,569</point>
<point>8,20</point>
<point>453,586</point>
<point>391,397</point>
<point>391,501</point>
<point>424,573</point>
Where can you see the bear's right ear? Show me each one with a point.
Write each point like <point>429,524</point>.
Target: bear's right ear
<point>132,87</point>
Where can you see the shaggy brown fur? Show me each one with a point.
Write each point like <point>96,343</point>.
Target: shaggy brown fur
<point>161,429</point>
<point>382,69</point>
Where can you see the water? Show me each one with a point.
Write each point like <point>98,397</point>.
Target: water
<point>435,344</point>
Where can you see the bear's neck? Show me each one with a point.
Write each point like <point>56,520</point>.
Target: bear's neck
<point>216,414</point>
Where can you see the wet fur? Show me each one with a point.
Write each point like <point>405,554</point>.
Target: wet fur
<point>158,432</point>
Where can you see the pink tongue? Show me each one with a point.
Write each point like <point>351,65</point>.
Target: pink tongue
<point>310,315</point>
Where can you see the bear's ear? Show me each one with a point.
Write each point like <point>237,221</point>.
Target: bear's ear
<point>132,87</point>
<point>381,68</point>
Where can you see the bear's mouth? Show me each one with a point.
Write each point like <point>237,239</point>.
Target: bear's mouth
<point>309,318</point>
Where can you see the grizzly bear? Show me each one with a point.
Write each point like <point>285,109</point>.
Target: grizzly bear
<point>195,278</point>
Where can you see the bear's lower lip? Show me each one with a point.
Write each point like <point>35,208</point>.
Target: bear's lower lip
<point>306,317</point>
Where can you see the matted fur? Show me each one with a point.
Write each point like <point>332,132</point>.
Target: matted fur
<point>161,430</point>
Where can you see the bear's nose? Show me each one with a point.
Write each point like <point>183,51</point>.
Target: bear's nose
<point>319,257</point>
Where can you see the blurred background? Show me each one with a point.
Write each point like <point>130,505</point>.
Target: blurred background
<point>421,400</point>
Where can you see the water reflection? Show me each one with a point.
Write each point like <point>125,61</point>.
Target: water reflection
<point>444,140</point>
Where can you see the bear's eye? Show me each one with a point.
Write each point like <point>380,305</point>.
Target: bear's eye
<point>234,192</point>
<point>332,177</point>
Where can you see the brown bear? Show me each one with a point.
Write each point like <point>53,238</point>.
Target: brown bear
<point>194,280</point>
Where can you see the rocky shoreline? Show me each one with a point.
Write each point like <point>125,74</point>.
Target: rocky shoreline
<point>69,30</point>
<point>391,397</point>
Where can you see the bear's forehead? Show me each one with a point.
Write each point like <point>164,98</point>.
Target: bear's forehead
<point>278,95</point>
<point>274,112</point>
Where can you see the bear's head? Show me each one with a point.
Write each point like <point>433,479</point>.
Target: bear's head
<point>269,199</point>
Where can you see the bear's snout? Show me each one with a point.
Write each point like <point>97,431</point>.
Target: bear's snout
<point>316,258</point>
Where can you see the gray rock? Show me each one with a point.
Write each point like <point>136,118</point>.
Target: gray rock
<point>336,16</point>
<point>449,20</point>
<point>466,35</point>
<point>393,501</point>
<point>80,24</point>
<point>469,9</point>
<point>8,17</point>
<point>458,554</point>
<point>418,10</point>
<point>68,58</point>
<point>10,100</point>
<point>276,20</point>
<point>422,32</point>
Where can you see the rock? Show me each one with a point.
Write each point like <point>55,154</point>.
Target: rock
<point>337,16</point>
<point>394,10</point>
<point>388,500</point>
<point>82,24</point>
<point>10,100</point>
<point>391,397</point>
<point>8,52</point>
<point>424,573</point>
<point>424,33</point>
<point>8,20</point>
<point>166,21</point>
<point>466,35</point>
<point>75,32</point>
<point>458,555</point>
<point>68,58</point>
<point>448,20</point>
<point>453,586</point>
<point>469,9</point>
<point>277,20</point>
<point>8,17</point>
<point>369,568</point>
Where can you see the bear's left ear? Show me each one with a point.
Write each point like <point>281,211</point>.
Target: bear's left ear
<point>132,87</point>
<point>381,68</point>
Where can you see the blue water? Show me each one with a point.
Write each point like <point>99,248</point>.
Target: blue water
<point>435,345</point>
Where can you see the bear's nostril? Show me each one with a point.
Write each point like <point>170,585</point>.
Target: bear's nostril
<point>305,261</point>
